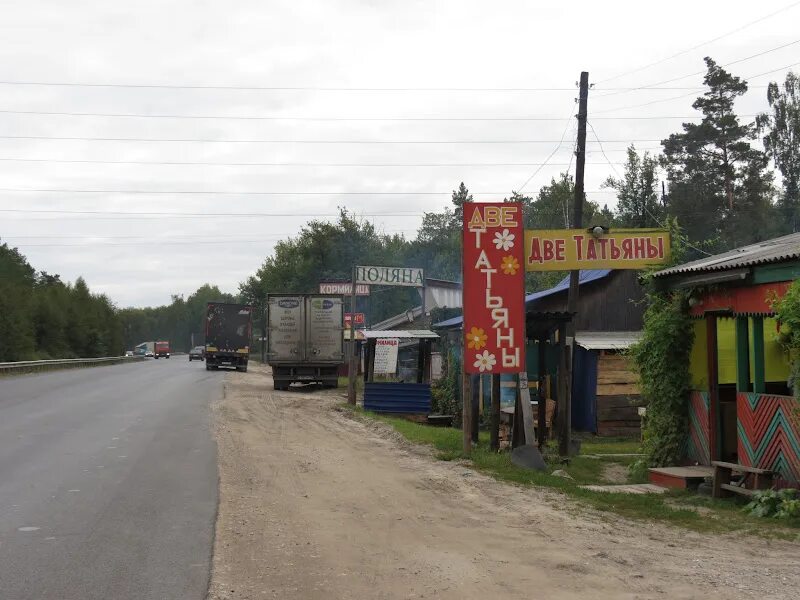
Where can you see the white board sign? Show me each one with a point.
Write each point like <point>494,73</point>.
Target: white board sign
<point>386,355</point>
<point>407,276</point>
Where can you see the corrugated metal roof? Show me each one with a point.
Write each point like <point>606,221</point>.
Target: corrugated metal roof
<point>417,334</point>
<point>413,313</point>
<point>607,340</point>
<point>585,276</point>
<point>774,250</point>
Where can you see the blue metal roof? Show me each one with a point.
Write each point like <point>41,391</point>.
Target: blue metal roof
<point>585,276</point>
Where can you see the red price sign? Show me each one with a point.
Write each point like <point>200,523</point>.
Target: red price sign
<point>348,319</point>
<point>494,288</point>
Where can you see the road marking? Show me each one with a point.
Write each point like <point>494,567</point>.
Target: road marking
<point>73,490</point>
<point>28,528</point>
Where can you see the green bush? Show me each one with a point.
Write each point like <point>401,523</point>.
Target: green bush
<point>781,504</point>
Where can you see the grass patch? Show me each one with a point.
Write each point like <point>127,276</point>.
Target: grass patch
<point>682,509</point>
<point>598,445</point>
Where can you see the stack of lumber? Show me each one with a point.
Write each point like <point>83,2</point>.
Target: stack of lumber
<point>618,396</point>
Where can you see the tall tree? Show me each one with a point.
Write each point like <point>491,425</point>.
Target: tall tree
<point>638,203</point>
<point>711,166</point>
<point>781,129</point>
<point>437,247</point>
<point>553,206</point>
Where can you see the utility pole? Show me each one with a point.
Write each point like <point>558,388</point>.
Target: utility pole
<point>351,368</point>
<point>574,276</point>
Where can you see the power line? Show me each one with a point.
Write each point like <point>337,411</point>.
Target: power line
<point>728,64</point>
<point>319,119</point>
<point>556,149</point>
<point>706,43</point>
<point>200,214</point>
<point>236,193</point>
<point>610,164</point>
<point>263,141</point>
<point>271,164</point>
<point>607,110</point>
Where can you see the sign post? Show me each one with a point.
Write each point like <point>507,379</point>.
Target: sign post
<point>372,275</point>
<point>494,293</point>
<point>351,367</point>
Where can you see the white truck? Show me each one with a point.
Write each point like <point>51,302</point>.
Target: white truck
<point>305,340</point>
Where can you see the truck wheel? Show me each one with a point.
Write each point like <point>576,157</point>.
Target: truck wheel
<point>208,367</point>
<point>167,355</point>
<point>190,358</point>
<point>156,356</point>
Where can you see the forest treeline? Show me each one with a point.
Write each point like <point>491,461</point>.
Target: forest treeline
<point>722,191</point>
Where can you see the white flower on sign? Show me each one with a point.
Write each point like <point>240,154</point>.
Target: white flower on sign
<point>504,240</point>
<point>484,361</point>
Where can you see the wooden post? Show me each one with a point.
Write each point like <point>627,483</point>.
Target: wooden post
<point>494,433</point>
<point>742,355</point>
<point>466,410</point>
<point>564,412</point>
<point>351,370</point>
<point>758,355</point>
<point>713,385</point>
<point>526,413</point>
<point>421,361</point>
<point>475,384</point>
<point>542,432</point>
<point>574,276</point>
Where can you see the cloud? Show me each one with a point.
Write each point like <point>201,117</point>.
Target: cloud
<point>312,44</point>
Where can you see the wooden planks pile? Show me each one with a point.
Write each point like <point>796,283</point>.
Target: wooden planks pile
<point>618,396</point>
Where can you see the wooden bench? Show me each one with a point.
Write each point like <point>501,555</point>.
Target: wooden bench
<point>725,484</point>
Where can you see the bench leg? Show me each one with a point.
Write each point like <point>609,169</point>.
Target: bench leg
<point>721,475</point>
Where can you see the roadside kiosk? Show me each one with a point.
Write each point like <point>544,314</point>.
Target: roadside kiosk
<point>404,389</point>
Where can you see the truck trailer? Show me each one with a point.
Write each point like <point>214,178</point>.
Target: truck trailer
<point>228,331</point>
<point>305,341</point>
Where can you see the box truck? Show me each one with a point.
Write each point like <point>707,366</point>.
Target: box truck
<point>228,331</point>
<point>305,340</point>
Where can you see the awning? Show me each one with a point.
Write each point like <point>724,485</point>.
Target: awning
<point>416,334</point>
<point>607,340</point>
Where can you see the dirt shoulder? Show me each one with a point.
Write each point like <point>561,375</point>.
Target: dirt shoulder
<point>316,504</point>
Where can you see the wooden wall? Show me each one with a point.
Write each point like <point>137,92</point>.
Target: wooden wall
<point>613,303</point>
<point>618,396</point>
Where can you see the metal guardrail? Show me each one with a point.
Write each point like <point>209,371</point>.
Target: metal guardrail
<point>30,366</point>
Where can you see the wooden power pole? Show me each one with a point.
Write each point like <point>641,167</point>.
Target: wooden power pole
<point>351,367</point>
<point>574,276</point>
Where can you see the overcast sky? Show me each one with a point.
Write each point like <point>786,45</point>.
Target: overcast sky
<point>521,60</point>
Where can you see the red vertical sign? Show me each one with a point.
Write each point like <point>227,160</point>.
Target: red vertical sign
<point>494,288</point>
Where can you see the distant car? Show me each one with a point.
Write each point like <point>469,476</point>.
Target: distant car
<point>198,352</point>
<point>129,353</point>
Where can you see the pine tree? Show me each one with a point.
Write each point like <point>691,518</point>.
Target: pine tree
<point>638,203</point>
<point>781,129</point>
<point>712,169</point>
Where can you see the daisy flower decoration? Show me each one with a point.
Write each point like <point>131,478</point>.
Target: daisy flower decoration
<point>504,240</point>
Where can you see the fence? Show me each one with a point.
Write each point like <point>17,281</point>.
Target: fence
<point>35,366</point>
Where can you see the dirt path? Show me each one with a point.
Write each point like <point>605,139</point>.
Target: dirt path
<point>314,504</point>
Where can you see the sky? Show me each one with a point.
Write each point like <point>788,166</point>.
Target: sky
<point>252,101</point>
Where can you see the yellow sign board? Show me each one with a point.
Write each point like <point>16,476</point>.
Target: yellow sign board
<point>567,249</point>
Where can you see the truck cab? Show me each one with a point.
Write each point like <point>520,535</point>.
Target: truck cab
<point>161,349</point>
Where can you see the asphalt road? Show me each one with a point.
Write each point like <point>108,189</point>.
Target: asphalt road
<point>108,482</point>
